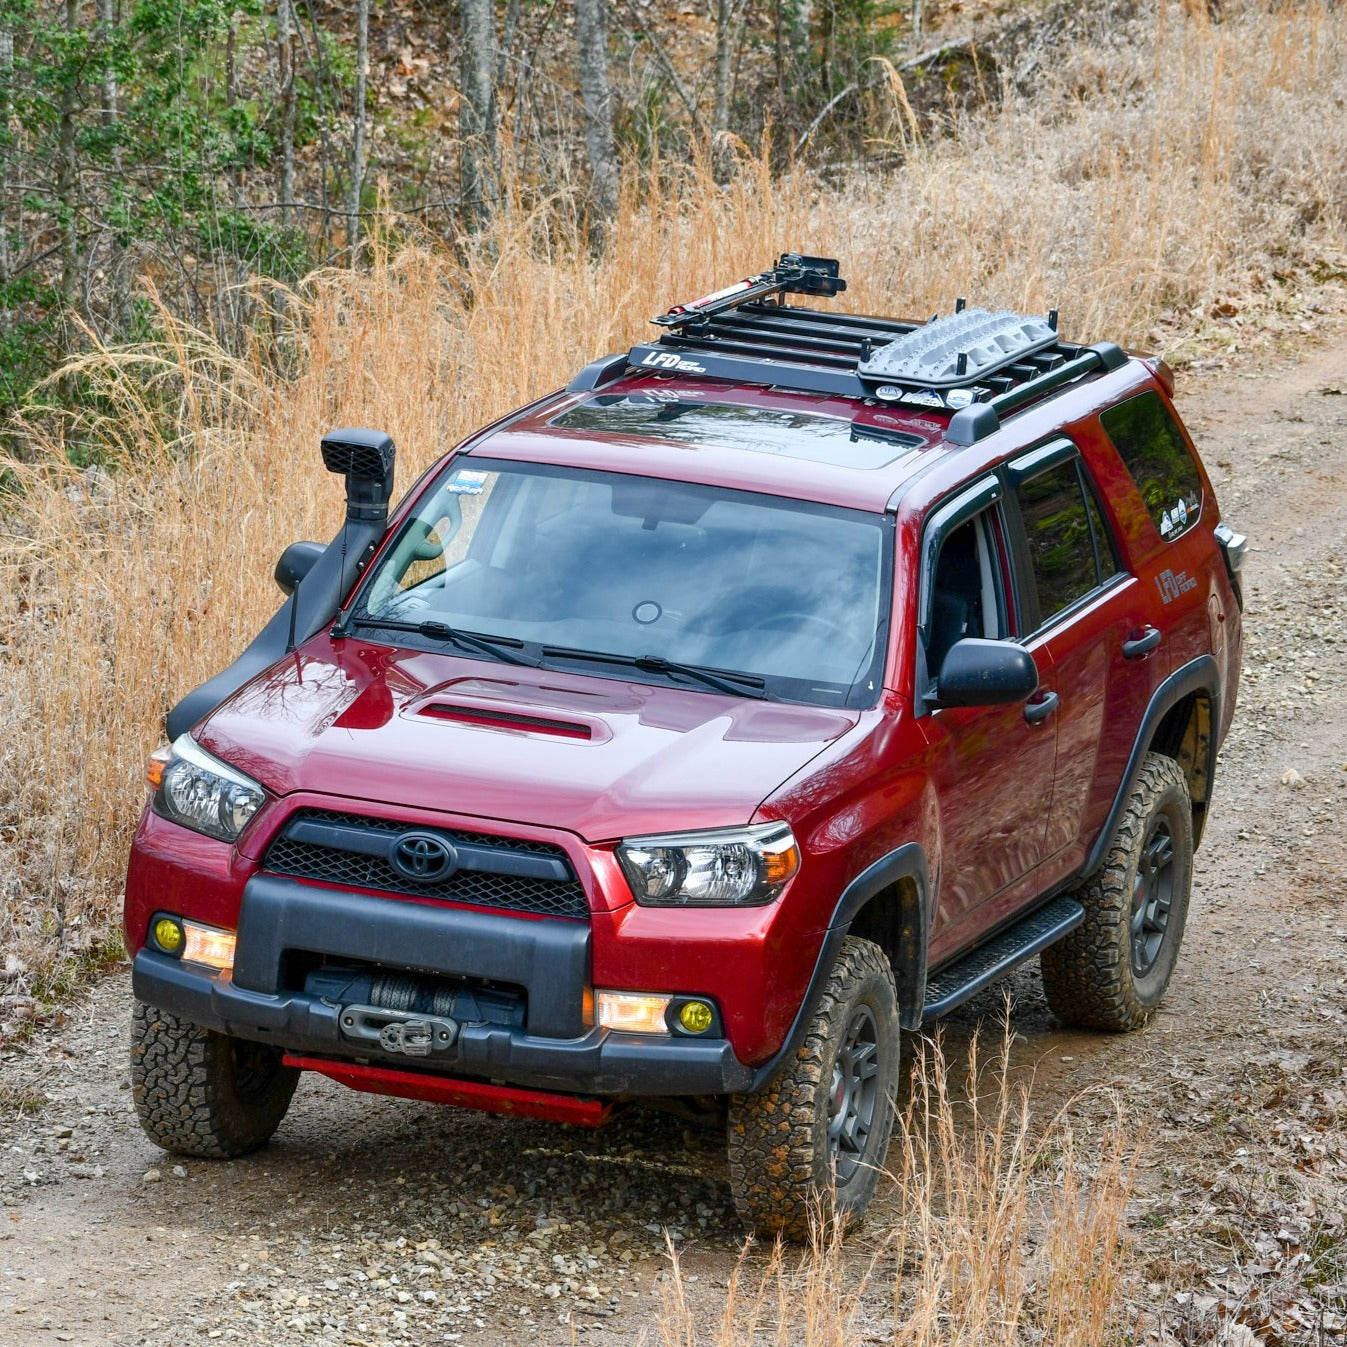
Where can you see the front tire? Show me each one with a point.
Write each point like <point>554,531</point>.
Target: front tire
<point>1111,972</point>
<point>813,1143</point>
<point>201,1093</point>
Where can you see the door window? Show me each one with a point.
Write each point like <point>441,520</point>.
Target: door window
<point>1153,448</point>
<point>1070,551</point>
<point>966,591</point>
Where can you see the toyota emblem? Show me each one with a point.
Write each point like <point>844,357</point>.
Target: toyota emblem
<point>422,858</point>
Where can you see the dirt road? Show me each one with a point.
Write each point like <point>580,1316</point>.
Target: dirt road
<point>370,1220</point>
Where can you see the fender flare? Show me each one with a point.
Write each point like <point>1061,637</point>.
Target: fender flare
<point>906,862</point>
<point>1198,675</point>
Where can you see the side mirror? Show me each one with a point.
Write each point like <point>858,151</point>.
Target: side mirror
<point>977,672</point>
<point>296,562</point>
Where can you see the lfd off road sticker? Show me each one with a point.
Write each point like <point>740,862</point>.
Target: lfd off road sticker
<point>1171,585</point>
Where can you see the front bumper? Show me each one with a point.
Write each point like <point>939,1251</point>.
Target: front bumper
<point>554,1050</point>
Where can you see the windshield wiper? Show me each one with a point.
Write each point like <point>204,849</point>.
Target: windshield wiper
<point>723,680</point>
<point>498,647</point>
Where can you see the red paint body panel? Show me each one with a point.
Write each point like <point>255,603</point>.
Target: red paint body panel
<point>1003,810</point>
<point>475,1094</point>
<point>340,712</point>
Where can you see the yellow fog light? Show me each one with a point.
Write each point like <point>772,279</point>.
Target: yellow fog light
<point>696,1016</point>
<point>633,1012</point>
<point>168,935</point>
<point>208,945</point>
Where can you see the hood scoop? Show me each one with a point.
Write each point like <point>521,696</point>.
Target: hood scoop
<point>494,718</point>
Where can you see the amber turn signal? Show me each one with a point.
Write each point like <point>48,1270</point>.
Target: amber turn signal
<point>779,866</point>
<point>155,764</point>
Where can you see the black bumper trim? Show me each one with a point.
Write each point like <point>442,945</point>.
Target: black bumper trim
<point>549,959</point>
<point>596,1061</point>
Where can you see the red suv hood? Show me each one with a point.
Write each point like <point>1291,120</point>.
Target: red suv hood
<point>597,756</point>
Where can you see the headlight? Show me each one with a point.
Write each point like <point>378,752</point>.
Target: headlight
<point>733,867</point>
<point>203,793</point>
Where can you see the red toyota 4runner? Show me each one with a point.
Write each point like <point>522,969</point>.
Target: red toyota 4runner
<point>777,684</point>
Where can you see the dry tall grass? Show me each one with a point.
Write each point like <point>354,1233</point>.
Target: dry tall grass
<point>1005,1234</point>
<point>1143,177</point>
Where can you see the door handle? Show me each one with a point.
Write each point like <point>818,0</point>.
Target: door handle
<point>1036,712</point>
<point>1142,645</point>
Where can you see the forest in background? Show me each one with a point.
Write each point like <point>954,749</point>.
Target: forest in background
<point>1165,180</point>
<point>189,146</point>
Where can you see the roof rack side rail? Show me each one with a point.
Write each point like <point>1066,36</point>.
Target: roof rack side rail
<point>793,273</point>
<point>597,373</point>
<point>973,423</point>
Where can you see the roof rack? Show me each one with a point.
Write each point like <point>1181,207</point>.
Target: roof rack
<point>978,364</point>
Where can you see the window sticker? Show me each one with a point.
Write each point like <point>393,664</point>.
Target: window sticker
<point>466,482</point>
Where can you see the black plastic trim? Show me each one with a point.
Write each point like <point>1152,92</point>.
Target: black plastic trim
<point>594,1061</point>
<point>549,959</point>
<point>367,458</point>
<point>970,424</point>
<point>648,358</point>
<point>1199,675</point>
<point>313,605</point>
<point>909,969</point>
<point>1042,459</point>
<point>991,960</point>
<point>597,373</point>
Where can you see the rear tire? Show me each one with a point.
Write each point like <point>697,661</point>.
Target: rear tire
<point>201,1093</point>
<point>812,1144</point>
<point>1112,970</point>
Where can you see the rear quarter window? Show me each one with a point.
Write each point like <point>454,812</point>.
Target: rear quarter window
<point>1150,443</point>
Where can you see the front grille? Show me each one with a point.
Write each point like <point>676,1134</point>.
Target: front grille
<point>484,880</point>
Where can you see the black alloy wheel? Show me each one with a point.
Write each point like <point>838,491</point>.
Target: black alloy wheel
<point>855,1088</point>
<point>1152,896</point>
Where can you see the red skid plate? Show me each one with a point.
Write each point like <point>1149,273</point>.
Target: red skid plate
<point>476,1094</point>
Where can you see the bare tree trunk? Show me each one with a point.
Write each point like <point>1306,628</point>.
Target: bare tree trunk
<point>728,32</point>
<point>285,69</point>
<point>107,31</point>
<point>358,135</point>
<point>6,155</point>
<point>779,54</point>
<point>67,174</point>
<point>591,40</point>
<point>231,97</point>
<point>507,37</point>
<point>477,110</point>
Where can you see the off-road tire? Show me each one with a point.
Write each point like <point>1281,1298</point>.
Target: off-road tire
<point>201,1093</point>
<point>1089,976</point>
<point>781,1170</point>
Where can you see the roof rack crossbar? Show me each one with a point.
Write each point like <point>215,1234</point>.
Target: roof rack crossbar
<point>784,320</point>
<point>799,314</point>
<point>804,342</point>
<point>832,359</point>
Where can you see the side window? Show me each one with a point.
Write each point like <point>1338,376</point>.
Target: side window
<point>966,590</point>
<point>1152,446</point>
<point>1070,552</point>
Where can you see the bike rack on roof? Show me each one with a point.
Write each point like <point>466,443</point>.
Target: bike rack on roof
<point>978,364</point>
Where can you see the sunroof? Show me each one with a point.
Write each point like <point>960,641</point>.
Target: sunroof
<point>732,425</point>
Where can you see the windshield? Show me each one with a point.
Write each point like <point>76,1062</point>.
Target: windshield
<point>559,560</point>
